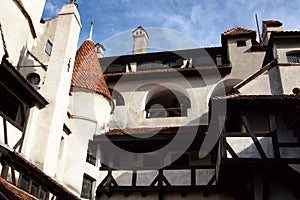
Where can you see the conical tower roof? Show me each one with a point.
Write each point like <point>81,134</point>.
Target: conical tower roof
<point>87,70</point>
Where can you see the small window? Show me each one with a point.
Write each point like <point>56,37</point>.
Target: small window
<point>34,189</point>
<point>87,186</point>
<point>61,147</point>
<point>218,60</point>
<point>43,194</point>
<point>241,43</point>
<point>293,57</point>
<point>24,183</point>
<point>34,78</point>
<point>48,48</point>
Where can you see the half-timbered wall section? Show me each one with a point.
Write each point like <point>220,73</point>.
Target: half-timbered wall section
<point>133,174</point>
<point>260,145</point>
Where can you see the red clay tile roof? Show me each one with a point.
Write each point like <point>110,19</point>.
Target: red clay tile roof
<point>12,192</point>
<point>238,31</point>
<point>167,70</point>
<point>272,23</point>
<point>159,130</point>
<point>87,71</point>
<point>259,97</point>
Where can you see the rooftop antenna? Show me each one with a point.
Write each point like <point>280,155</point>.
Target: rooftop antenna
<point>91,31</point>
<point>256,18</point>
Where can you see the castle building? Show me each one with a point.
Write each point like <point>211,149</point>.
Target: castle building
<point>208,123</point>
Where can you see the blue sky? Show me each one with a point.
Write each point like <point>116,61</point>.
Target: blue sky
<point>188,24</point>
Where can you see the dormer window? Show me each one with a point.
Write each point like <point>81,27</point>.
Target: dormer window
<point>241,43</point>
<point>293,57</point>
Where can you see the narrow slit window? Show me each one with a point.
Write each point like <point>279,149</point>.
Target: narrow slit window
<point>48,48</point>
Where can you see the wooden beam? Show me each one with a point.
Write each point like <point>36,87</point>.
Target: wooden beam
<point>4,171</point>
<point>13,176</point>
<point>273,129</point>
<point>5,132</point>
<point>134,176</point>
<point>253,136</point>
<point>265,188</point>
<point>229,149</point>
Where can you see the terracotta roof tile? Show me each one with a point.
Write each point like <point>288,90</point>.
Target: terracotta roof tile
<point>12,192</point>
<point>272,23</point>
<point>154,130</point>
<point>258,97</point>
<point>166,70</point>
<point>87,71</point>
<point>238,31</point>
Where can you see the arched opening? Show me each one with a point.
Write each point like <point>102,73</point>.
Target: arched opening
<point>117,97</point>
<point>167,103</point>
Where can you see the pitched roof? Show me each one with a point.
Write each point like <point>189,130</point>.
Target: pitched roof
<point>272,23</point>
<point>258,97</point>
<point>169,72</point>
<point>87,70</point>
<point>238,31</point>
<point>154,130</point>
<point>12,192</point>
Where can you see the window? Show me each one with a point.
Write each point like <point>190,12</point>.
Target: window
<point>241,43</point>
<point>218,59</point>
<point>34,78</point>
<point>48,48</point>
<point>12,109</point>
<point>61,147</point>
<point>34,189</point>
<point>167,103</point>
<point>24,183</point>
<point>91,153</point>
<point>293,57</point>
<point>87,186</point>
<point>43,194</point>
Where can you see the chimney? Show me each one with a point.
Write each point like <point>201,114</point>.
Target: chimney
<point>99,48</point>
<point>140,40</point>
<point>269,26</point>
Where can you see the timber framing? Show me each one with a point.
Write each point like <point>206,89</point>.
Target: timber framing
<point>11,159</point>
<point>240,172</point>
<point>160,183</point>
<point>19,86</point>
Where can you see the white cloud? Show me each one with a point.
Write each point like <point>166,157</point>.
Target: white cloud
<point>51,9</point>
<point>203,21</point>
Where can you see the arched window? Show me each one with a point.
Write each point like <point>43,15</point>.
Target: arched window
<point>34,78</point>
<point>293,57</point>
<point>167,103</point>
<point>117,97</point>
